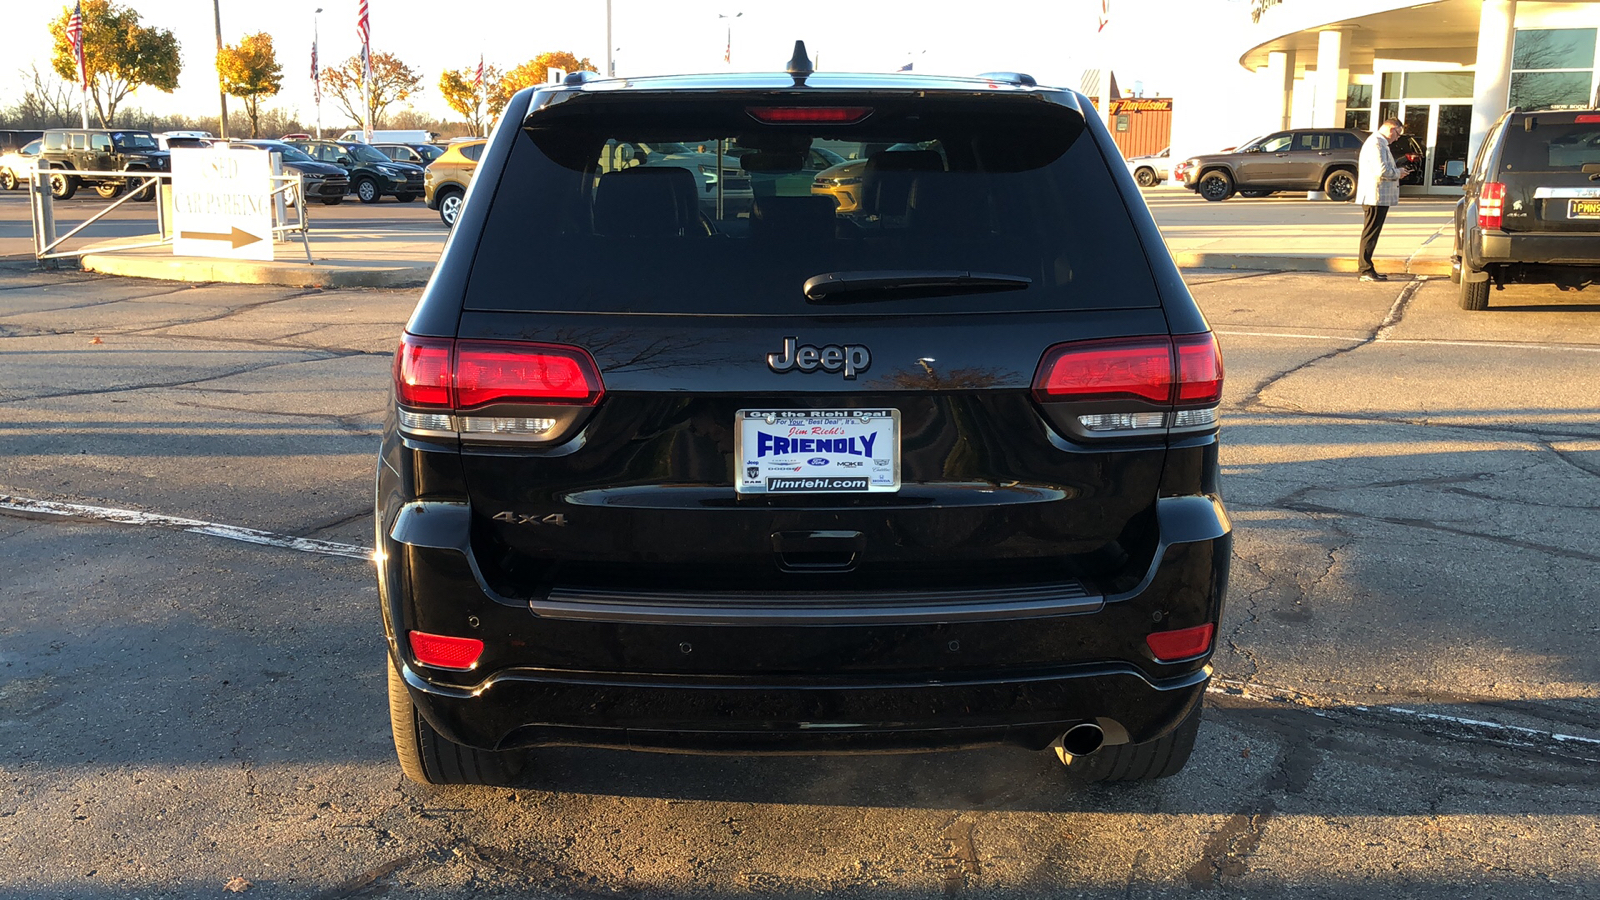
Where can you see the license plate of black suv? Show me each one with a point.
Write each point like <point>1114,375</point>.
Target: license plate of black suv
<point>801,412</point>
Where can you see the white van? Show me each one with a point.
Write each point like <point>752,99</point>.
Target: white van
<point>414,136</point>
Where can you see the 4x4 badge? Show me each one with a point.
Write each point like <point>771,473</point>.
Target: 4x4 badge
<point>535,519</point>
<point>849,358</point>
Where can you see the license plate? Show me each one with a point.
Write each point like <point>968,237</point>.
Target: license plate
<point>840,451</point>
<point>1583,209</point>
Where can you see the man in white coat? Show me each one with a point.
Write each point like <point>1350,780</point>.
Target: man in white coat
<point>1377,189</point>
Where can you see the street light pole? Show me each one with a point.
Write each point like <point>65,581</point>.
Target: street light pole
<point>222,126</point>
<point>611,59</point>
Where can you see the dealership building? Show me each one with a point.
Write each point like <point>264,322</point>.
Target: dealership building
<point>1447,69</point>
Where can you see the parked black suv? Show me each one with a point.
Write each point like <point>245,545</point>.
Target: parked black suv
<point>1531,213</point>
<point>937,474</point>
<point>322,181</point>
<point>372,175</point>
<point>100,150</point>
<point>1304,159</point>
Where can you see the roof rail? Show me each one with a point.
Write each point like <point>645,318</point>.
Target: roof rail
<point>1021,78</point>
<point>574,79</point>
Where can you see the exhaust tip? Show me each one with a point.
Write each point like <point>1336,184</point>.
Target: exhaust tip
<point>1083,739</point>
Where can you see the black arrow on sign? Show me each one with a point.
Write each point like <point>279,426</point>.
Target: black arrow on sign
<point>238,239</point>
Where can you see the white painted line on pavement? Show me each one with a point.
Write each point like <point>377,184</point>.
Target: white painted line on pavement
<point>196,526</point>
<point>1491,345</point>
<point>1465,728</point>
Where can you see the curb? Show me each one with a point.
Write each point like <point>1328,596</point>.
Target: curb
<point>200,269</point>
<point>1199,259</point>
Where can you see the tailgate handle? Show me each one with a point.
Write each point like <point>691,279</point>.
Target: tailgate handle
<point>817,551</point>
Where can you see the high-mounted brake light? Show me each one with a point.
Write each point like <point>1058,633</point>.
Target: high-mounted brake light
<point>1185,643</point>
<point>1491,205</point>
<point>788,115</point>
<point>444,652</point>
<point>438,381</point>
<point>1123,377</point>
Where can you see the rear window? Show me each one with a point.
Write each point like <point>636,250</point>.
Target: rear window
<point>694,206</point>
<point>1553,146</point>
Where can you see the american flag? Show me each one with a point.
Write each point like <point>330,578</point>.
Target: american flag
<point>906,67</point>
<point>316,83</point>
<point>364,28</point>
<point>477,80</point>
<point>75,42</point>
<point>727,55</point>
<point>1105,14</point>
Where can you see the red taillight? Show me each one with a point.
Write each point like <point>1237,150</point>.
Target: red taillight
<point>1139,368</point>
<point>445,652</point>
<point>447,374</point>
<point>1491,205</point>
<point>1587,120</point>
<point>1199,369</point>
<point>785,115</point>
<point>1102,370</point>
<point>496,372</point>
<point>422,371</point>
<point>1185,643</point>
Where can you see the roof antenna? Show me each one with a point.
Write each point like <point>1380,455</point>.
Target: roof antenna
<point>800,65</point>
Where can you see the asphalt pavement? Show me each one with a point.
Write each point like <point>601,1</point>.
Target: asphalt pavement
<point>1406,702</point>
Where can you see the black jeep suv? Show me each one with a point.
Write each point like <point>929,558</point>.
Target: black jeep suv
<point>1531,213</point>
<point>68,150</point>
<point>939,473</point>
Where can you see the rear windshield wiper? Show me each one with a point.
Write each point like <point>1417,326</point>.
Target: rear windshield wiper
<point>862,287</point>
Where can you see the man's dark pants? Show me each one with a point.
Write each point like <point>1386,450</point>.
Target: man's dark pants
<point>1371,225</point>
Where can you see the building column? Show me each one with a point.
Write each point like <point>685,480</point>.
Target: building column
<point>1278,75</point>
<point>1491,93</point>
<point>1332,82</point>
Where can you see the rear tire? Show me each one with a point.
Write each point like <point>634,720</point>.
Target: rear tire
<point>1255,195</point>
<point>1146,176</point>
<point>108,190</point>
<point>405,198</point>
<point>1161,758</point>
<point>332,201</point>
<point>62,185</point>
<point>450,208</point>
<point>427,757</point>
<point>1340,185</point>
<point>1474,295</point>
<point>1215,185</point>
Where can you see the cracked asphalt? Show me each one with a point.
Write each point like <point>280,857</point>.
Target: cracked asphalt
<point>1407,700</point>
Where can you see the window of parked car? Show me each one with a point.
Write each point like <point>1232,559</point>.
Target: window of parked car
<point>1344,140</point>
<point>55,141</point>
<point>1553,147</point>
<point>100,143</point>
<point>1276,143</point>
<point>80,141</point>
<point>982,188</point>
<point>473,151</point>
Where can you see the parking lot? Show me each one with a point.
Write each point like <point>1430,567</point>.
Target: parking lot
<point>191,692</point>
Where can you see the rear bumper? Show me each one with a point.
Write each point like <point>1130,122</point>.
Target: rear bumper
<point>919,680</point>
<point>530,707</point>
<point>1558,249</point>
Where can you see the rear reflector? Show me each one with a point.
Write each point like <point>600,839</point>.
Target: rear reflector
<point>445,652</point>
<point>1587,120</point>
<point>1491,205</point>
<point>1185,643</point>
<point>785,115</point>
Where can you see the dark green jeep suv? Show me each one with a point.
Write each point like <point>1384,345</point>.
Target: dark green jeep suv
<point>81,150</point>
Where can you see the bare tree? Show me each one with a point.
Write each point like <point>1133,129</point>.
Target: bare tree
<point>392,82</point>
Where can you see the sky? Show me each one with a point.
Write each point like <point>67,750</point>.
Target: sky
<point>1153,41</point>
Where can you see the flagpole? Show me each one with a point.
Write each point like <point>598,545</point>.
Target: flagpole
<point>222,126</point>
<point>83,85</point>
<point>316,72</point>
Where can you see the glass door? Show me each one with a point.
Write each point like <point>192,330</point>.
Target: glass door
<point>1447,147</point>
